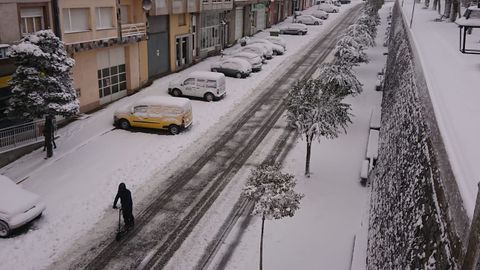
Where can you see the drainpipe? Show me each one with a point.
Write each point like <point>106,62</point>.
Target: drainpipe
<point>56,19</point>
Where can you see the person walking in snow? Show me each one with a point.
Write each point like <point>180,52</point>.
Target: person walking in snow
<point>125,197</point>
<point>49,134</point>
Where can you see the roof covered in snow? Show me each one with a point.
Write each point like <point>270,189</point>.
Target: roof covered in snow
<point>164,101</point>
<point>207,75</point>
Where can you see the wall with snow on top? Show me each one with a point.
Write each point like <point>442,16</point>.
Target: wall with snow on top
<point>412,218</point>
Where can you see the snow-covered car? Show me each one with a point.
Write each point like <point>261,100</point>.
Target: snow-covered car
<point>308,19</point>
<point>203,84</point>
<point>328,8</point>
<point>294,29</point>
<point>17,206</point>
<point>253,59</point>
<point>277,40</point>
<point>258,49</point>
<point>320,14</point>
<point>233,67</point>
<point>277,49</point>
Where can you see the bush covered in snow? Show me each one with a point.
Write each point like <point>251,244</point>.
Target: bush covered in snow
<point>41,84</point>
<point>349,52</point>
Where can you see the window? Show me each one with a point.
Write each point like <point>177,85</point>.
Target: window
<point>181,20</point>
<point>124,14</point>
<point>201,82</point>
<point>190,81</point>
<point>111,80</point>
<point>104,17</point>
<point>140,109</point>
<point>211,84</point>
<point>78,92</point>
<point>75,20</point>
<point>3,51</point>
<point>31,20</point>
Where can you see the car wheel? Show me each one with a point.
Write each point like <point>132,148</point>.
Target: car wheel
<point>4,229</point>
<point>124,124</point>
<point>209,97</point>
<point>174,129</point>
<point>214,70</point>
<point>238,75</point>
<point>315,23</point>
<point>176,92</point>
<point>299,22</point>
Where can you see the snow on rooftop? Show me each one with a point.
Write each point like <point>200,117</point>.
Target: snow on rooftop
<point>207,75</point>
<point>164,101</point>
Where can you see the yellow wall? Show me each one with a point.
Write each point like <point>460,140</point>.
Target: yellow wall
<point>176,30</point>
<point>132,66</point>
<point>85,78</point>
<point>143,61</point>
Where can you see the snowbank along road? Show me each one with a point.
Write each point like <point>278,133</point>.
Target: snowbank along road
<point>163,225</point>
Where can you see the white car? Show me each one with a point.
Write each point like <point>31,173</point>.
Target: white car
<point>17,206</point>
<point>294,29</point>
<point>277,49</point>
<point>258,48</point>
<point>277,40</point>
<point>329,8</point>
<point>320,14</point>
<point>253,59</point>
<point>233,67</point>
<point>308,19</point>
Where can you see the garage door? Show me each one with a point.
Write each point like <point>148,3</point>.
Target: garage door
<point>238,23</point>
<point>261,18</point>
<point>111,73</point>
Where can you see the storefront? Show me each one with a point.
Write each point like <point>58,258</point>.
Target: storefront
<point>239,14</point>
<point>260,16</point>
<point>213,32</point>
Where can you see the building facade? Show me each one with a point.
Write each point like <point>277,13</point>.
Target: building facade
<point>107,39</point>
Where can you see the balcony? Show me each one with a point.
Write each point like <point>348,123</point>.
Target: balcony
<point>134,30</point>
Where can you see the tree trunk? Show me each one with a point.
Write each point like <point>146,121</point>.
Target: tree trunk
<point>448,8</point>
<point>261,242</point>
<point>307,163</point>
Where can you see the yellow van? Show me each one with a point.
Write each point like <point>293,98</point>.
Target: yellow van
<point>173,114</point>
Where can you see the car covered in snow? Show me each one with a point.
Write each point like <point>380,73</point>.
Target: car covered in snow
<point>202,84</point>
<point>277,49</point>
<point>17,206</point>
<point>253,59</point>
<point>277,40</point>
<point>323,15</point>
<point>156,112</point>
<point>329,8</point>
<point>308,19</point>
<point>294,29</point>
<point>259,49</point>
<point>233,67</point>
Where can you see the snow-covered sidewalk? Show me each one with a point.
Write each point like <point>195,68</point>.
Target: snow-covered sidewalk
<point>79,182</point>
<point>453,81</point>
<point>321,234</point>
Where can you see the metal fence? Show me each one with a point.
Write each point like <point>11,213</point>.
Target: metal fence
<point>21,135</point>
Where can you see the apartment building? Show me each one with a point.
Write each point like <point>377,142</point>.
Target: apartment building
<point>18,18</point>
<point>107,39</point>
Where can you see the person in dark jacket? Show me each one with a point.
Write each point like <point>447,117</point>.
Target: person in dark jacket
<point>127,205</point>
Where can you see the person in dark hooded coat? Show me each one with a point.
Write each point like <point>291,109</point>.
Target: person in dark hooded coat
<point>127,205</point>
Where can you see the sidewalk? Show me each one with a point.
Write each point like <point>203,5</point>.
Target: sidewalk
<point>453,81</point>
<point>321,234</point>
<point>78,184</point>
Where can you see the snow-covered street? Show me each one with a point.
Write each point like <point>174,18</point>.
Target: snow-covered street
<point>79,182</point>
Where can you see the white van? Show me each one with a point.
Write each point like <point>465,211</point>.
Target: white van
<point>203,84</point>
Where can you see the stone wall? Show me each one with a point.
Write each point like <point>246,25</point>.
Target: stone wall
<point>417,219</point>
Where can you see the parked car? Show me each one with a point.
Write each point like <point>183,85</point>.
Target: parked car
<point>308,19</point>
<point>277,49</point>
<point>17,206</point>
<point>233,67</point>
<point>203,84</point>
<point>258,49</point>
<point>320,14</point>
<point>277,40</point>
<point>294,29</point>
<point>329,8</point>
<point>343,2</point>
<point>156,112</point>
<point>253,59</point>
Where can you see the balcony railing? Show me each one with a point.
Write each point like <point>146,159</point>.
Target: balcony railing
<point>134,29</point>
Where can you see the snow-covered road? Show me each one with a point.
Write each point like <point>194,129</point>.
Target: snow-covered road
<point>79,182</point>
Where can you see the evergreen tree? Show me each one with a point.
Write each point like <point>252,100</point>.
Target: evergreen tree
<point>273,194</point>
<point>361,33</point>
<point>338,80</point>
<point>315,113</point>
<point>41,84</point>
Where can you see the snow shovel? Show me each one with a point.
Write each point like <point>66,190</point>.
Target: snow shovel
<point>119,230</point>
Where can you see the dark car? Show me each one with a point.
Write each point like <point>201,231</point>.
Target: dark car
<point>294,29</point>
